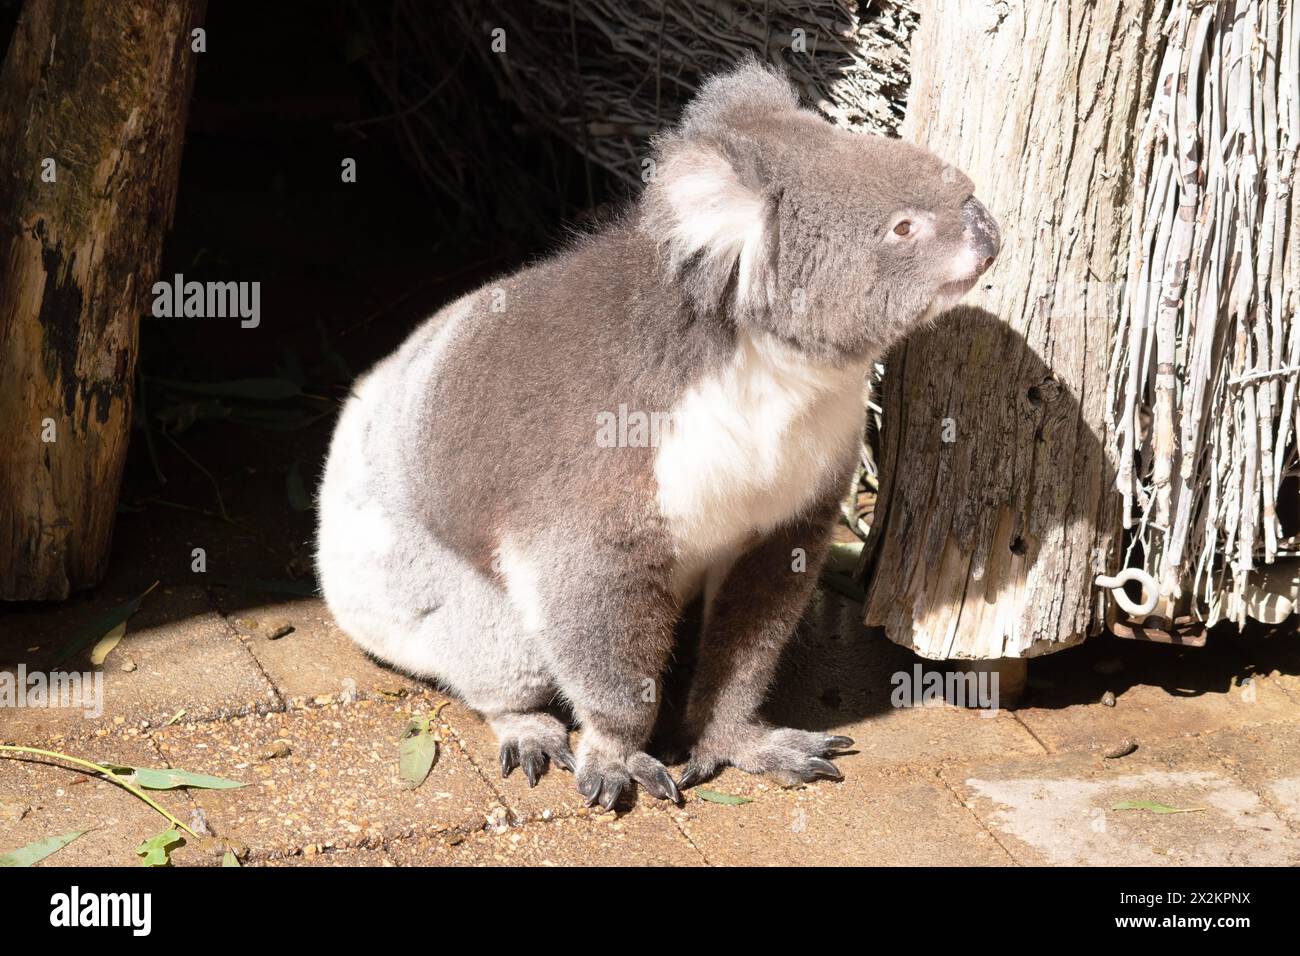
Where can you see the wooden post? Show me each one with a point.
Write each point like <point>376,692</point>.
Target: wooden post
<point>93,96</point>
<point>997,505</point>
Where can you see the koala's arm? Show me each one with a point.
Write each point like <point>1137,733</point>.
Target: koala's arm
<point>752,618</point>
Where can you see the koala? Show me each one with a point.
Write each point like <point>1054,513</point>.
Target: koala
<point>495,514</point>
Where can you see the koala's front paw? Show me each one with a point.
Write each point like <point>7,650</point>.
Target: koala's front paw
<point>603,776</point>
<point>791,757</point>
<point>531,741</point>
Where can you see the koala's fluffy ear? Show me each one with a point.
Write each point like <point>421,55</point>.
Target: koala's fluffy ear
<point>709,205</point>
<point>713,229</point>
<point>730,100</point>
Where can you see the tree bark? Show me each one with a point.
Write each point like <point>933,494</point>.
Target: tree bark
<point>997,506</point>
<point>101,88</point>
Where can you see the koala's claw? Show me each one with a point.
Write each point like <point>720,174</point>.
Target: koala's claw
<point>791,757</point>
<point>695,773</point>
<point>606,781</point>
<point>597,787</point>
<point>534,758</point>
<point>824,768</point>
<point>509,758</point>
<point>661,785</point>
<point>534,766</point>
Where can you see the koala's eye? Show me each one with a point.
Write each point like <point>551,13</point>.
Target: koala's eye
<point>903,228</point>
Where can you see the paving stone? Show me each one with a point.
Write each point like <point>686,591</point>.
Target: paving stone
<point>1160,692</point>
<point>338,786</point>
<point>1215,730</point>
<point>1268,759</point>
<point>345,858</point>
<point>844,678</point>
<point>1060,810</point>
<point>644,837</point>
<point>180,653</point>
<point>890,818</point>
<point>556,793</point>
<point>1274,655</point>
<point>316,658</point>
<point>839,678</point>
<point>38,800</point>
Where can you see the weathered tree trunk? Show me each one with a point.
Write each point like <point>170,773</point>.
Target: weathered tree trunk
<point>94,96</point>
<point>997,506</point>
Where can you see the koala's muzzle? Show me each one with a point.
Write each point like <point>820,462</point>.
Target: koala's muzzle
<point>982,232</point>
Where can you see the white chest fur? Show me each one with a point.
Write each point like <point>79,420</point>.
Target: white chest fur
<point>748,447</point>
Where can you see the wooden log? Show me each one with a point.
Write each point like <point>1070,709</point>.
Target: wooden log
<point>94,95</point>
<point>997,506</point>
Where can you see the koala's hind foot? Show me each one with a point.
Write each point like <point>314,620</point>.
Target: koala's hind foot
<point>531,741</point>
<point>604,775</point>
<point>790,757</point>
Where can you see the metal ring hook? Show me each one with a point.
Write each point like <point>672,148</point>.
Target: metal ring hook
<point>1150,592</point>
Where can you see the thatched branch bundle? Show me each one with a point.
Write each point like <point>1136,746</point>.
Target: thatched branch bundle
<point>1206,361</point>
<point>598,78</point>
<point>606,74</point>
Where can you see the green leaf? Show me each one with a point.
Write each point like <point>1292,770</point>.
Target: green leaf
<point>259,389</point>
<point>1154,807</point>
<point>107,643</point>
<point>157,850</point>
<point>35,852</point>
<point>418,751</point>
<point>843,585</point>
<point>147,778</point>
<point>355,47</point>
<point>99,628</point>
<point>286,419</point>
<point>291,368</point>
<point>843,557</point>
<point>178,417</point>
<point>730,799</point>
<point>331,354</point>
<point>229,859</point>
<point>299,500</point>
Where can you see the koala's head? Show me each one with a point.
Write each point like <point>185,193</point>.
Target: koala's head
<point>836,242</point>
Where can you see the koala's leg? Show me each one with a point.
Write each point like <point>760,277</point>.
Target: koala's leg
<point>608,637</point>
<point>751,618</point>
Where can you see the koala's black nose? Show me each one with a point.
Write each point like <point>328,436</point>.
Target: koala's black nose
<point>982,232</point>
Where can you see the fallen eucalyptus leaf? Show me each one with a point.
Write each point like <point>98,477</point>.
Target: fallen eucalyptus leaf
<point>35,852</point>
<point>99,628</point>
<point>259,389</point>
<point>157,850</point>
<point>299,500</point>
<point>843,585</point>
<point>107,643</point>
<point>843,557</point>
<point>417,753</point>
<point>148,778</point>
<point>730,799</point>
<point>1154,807</point>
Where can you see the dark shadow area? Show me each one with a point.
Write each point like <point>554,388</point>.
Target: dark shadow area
<point>283,96</point>
<point>992,457</point>
<point>1228,660</point>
